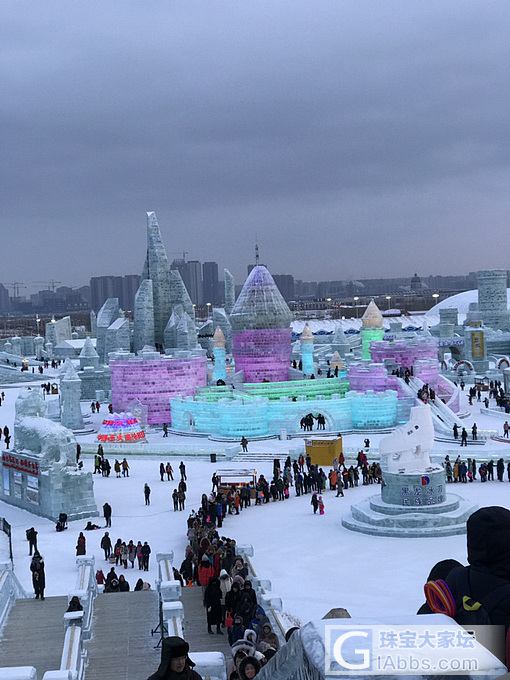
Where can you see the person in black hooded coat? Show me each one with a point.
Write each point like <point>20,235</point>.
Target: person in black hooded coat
<point>212,600</point>
<point>232,598</point>
<point>488,548</point>
<point>38,575</point>
<point>247,603</point>
<point>175,662</point>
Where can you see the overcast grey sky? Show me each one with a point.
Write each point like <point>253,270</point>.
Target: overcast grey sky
<point>352,138</point>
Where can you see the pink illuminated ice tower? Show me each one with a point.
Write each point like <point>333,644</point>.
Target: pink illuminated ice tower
<point>261,333</point>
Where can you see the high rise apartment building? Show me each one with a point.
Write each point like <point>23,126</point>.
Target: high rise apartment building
<point>211,283</point>
<point>122,287</point>
<point>195,288</point>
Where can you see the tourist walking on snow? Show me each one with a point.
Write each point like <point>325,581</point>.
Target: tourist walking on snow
<point>106,545</point>
<point>80,544</point>
<point>147,494</point>
<point>146,551</point>
<point>107,513</point>
<point>182,470</point>
<point>32,540</point>
<point>38,575</point>
<point>314,502</point>
<point>139,554</point>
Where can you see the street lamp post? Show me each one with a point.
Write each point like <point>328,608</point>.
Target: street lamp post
<point>388,297</point>
<point>356,298</point>
<point>208,310</point>
<point>435,296</point>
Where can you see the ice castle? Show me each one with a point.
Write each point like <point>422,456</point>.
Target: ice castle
<point>261,332</point>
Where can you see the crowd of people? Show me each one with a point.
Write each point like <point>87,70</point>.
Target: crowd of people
<point>465,471</point>
<point>229,599</point>
<point>118,584</point>
<point>102,465</point>
<point>122,553</point>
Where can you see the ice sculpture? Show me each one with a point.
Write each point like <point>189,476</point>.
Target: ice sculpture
<point>154,380</point>
<point>371,329</point>
<point>230,296</point>
<point>40,473</point>
<point>220,368</point>
<point>220,320</point>
<point>307,351</point>
<point>70,387</point>
<point>121,427</point>
<point>261,333</point>
<point>413,499</point>
<point>108,313</point>
<point>156,268</point>
<point>143,316</point>
<point>407,448</point>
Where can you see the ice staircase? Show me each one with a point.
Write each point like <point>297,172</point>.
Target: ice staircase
<point>195,625</point>
<point>443,417</point>
<point>33,634</point>
<point>121,645</point>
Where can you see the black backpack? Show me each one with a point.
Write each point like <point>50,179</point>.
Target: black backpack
<point>468,611</point>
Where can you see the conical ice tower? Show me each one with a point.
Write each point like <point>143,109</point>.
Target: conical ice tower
<point>157,269</point>
<point>372,329</point>
<point>261,333</point>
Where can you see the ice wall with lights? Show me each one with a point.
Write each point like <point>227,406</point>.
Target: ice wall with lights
<point>404,352</point>
<point>154,381</point>
<point>261,416</point>
<point>262,354</point>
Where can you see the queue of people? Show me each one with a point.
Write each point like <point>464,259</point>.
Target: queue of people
<point>465,471</point>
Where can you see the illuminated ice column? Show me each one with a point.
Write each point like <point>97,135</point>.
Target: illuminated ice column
<point>307,351</point>
<point>372,328</point>
<point>220,367</point>
<point>336,362</point>
<point>475,347</point>
<point>70,387</point>
<point>230,296</point>
<point>39,348</point>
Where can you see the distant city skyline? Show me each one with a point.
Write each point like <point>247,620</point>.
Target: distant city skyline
<point>347,139</point>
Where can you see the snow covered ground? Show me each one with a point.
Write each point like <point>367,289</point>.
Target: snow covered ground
<point>314,564</point>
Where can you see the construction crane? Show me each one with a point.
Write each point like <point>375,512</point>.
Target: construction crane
<point>51,284</point>
<point>15,288</point>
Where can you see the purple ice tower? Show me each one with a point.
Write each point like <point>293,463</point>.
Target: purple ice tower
<point>261,333</point>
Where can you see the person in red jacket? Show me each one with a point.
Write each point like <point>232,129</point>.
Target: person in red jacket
<point>205,572</point>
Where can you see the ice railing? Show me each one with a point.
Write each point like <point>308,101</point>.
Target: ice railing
<point>210,665</point>
<point>73,660</point>
<point>10,590</point>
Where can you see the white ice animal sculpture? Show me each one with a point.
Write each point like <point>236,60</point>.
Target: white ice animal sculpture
<point>407,448</point>
<point>54,443</point>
